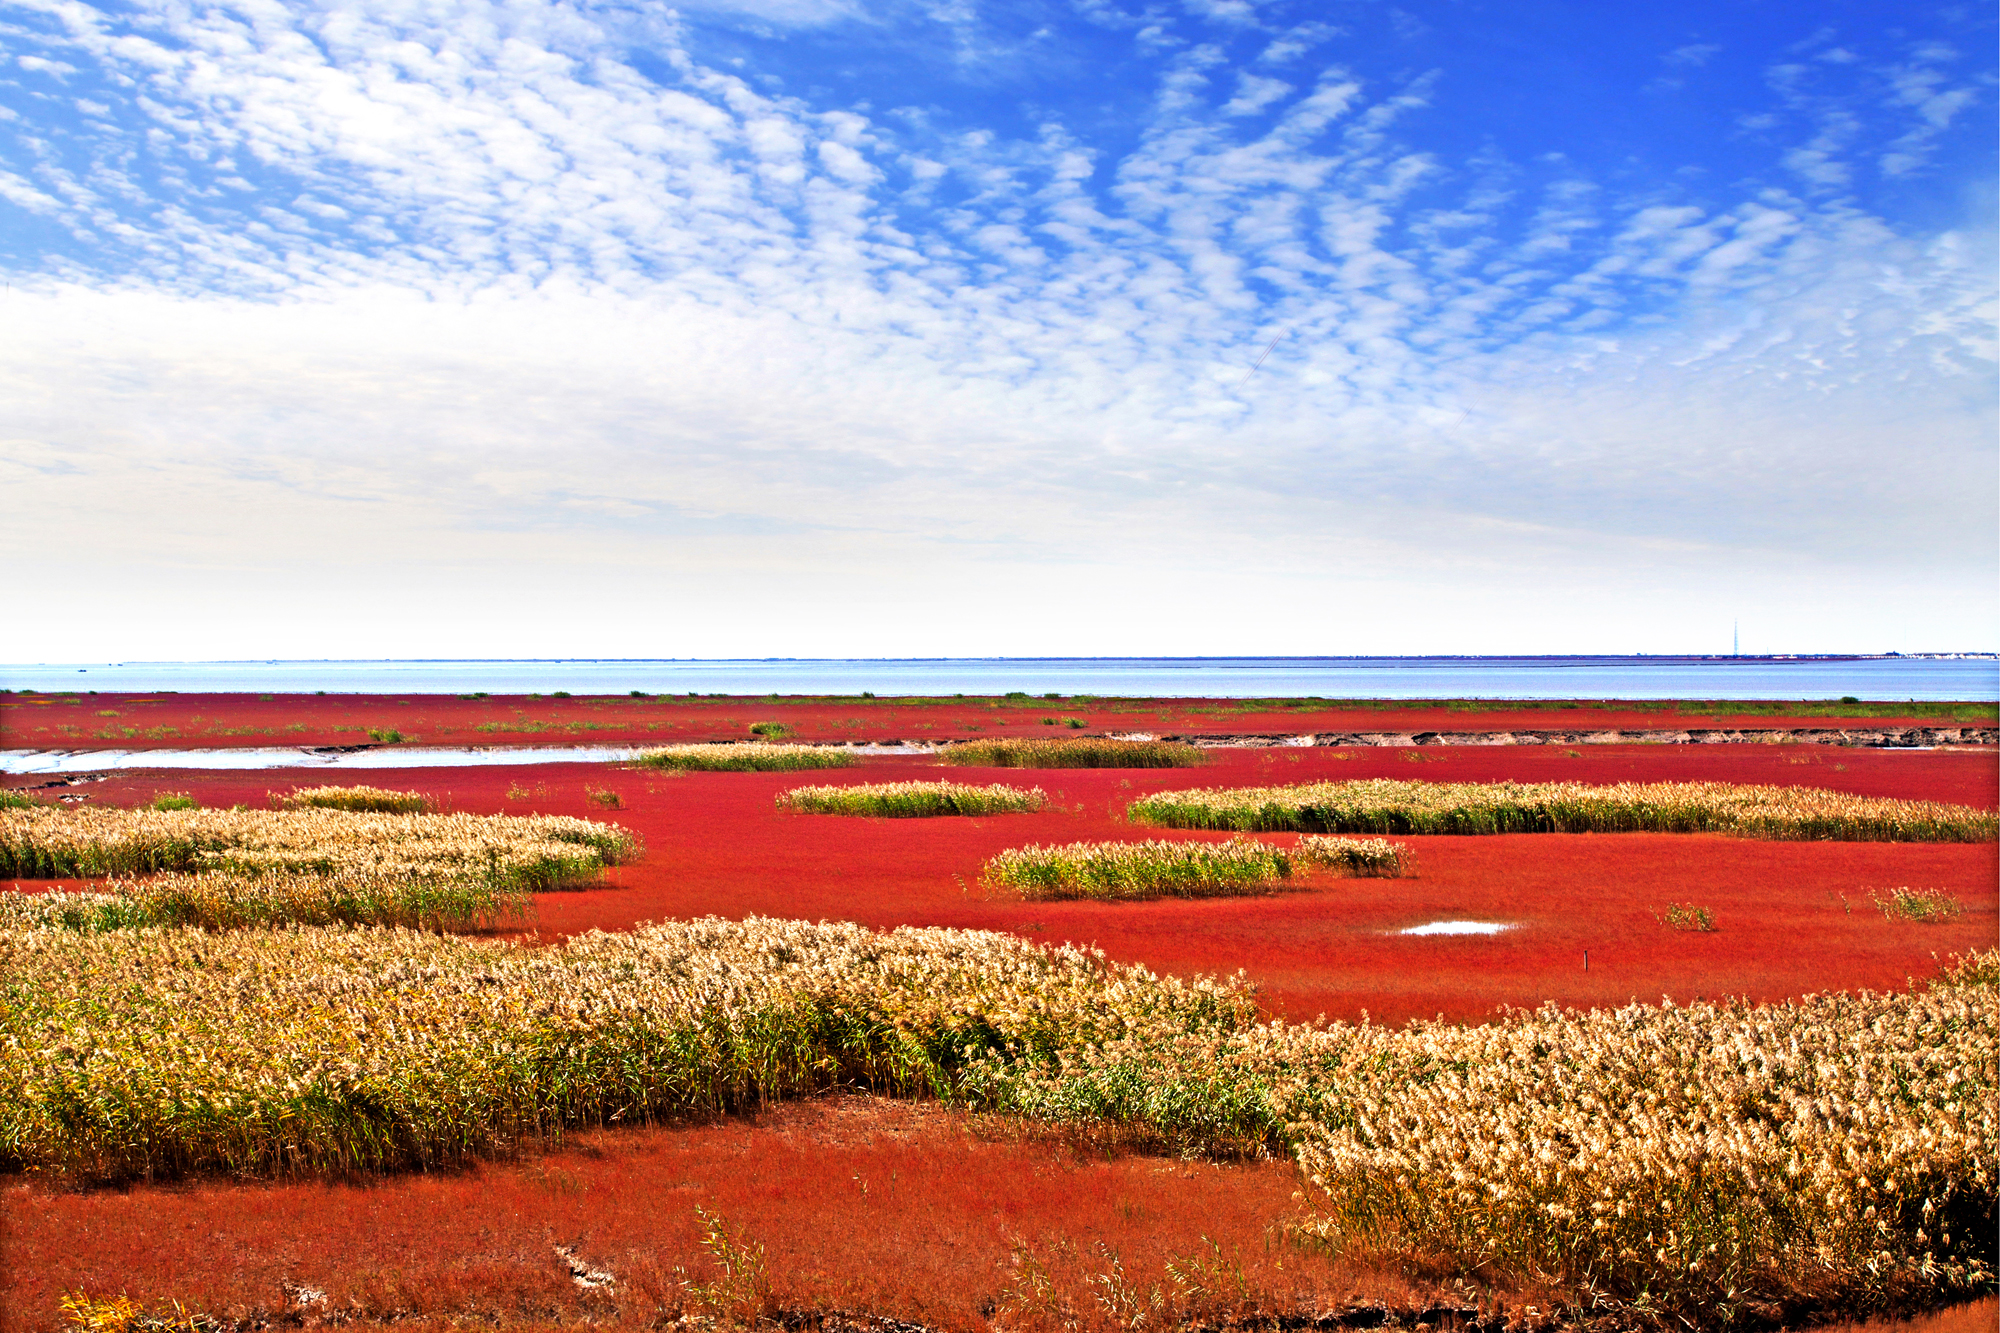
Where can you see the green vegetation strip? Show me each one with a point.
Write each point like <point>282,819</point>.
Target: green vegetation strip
<point>1085,752</point>
<point>1387,806</point>
<point>745,757</point>
<point>912,800</point>
<point>1116,871</point>
<point>1708,1166</point>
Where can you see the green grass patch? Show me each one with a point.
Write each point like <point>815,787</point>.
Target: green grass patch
<point>1386,806</point>
<point>1126,871</point>
<point>172,800</point>
<point>912,800</point>
<point>745,757</point>
<point>1083,752</point>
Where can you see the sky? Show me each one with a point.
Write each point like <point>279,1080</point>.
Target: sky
<point>437,328</point>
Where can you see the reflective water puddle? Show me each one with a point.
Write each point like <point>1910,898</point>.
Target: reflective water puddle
<point>1458,928</point>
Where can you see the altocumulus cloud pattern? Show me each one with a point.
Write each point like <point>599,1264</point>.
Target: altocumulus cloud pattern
<point>746,298</point>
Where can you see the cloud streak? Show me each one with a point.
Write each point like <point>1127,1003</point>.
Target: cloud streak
<point>540,287</point>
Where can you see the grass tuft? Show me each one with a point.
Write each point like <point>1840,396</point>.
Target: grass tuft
<point>234,900</point>
<point>536,853</point>
<point>171,800</point>
<point>1929,906</point>
<point>18,800</point>
<point>1384,805</point>
<point>745,757</point>
<point>912,800</point>
<point>1126,871</point>
<point>1083,752</point>
<point>371,799</point>
<point>1686,916</point>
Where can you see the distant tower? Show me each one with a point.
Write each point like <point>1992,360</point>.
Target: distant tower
<point>1735,638</point>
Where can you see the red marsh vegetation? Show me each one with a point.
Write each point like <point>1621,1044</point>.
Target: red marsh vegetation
<point>962,1222</point>
<point>69,720</point>
<point>846,1203</point>
<point>1788,917</point>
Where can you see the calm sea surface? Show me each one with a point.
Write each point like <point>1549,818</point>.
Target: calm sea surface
<point>1144,677</point>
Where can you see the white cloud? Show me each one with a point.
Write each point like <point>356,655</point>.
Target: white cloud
<point>1254,93</point>
<point>1296,41</point>
<point>1694,54</point>
<point>514,313</point>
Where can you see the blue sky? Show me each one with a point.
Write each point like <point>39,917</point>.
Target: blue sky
<point>429,327</point>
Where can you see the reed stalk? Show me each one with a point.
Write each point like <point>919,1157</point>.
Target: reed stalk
<point>912,800</point>
<point>1382,805</point>
<point>745,757</point>
<point>1122,871</point>
<point>1083,752</point>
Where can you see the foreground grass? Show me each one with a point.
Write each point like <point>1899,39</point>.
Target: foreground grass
<point>165,1051</point>
<point>1708,1166</point>
<point>1383,805</point>
<point>1123,871</point>
<point>913,800</point>
<point>744,757</point>
<point>1084,752</point>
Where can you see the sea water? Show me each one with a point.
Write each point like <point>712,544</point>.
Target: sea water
<point>1891,678</point>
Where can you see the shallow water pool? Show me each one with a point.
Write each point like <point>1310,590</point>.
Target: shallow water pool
<point>1458,928</point>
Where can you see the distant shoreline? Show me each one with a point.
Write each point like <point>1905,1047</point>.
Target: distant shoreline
<point>1937,677</point>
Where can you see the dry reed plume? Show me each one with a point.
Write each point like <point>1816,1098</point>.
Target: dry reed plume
<point>1382,805</point>
<point>1158,869</point>
<point>1084,752</point>
<point>368,799</point>
<point>744,757</point>
<point>1708,1166</point>
<point>912,800</point>
<point>227,868</point>
<point>530,852</point>
<point>141,1052</point>
<point>229,900</point>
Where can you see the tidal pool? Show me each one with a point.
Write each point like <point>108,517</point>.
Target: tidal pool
<point>371,756</point>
